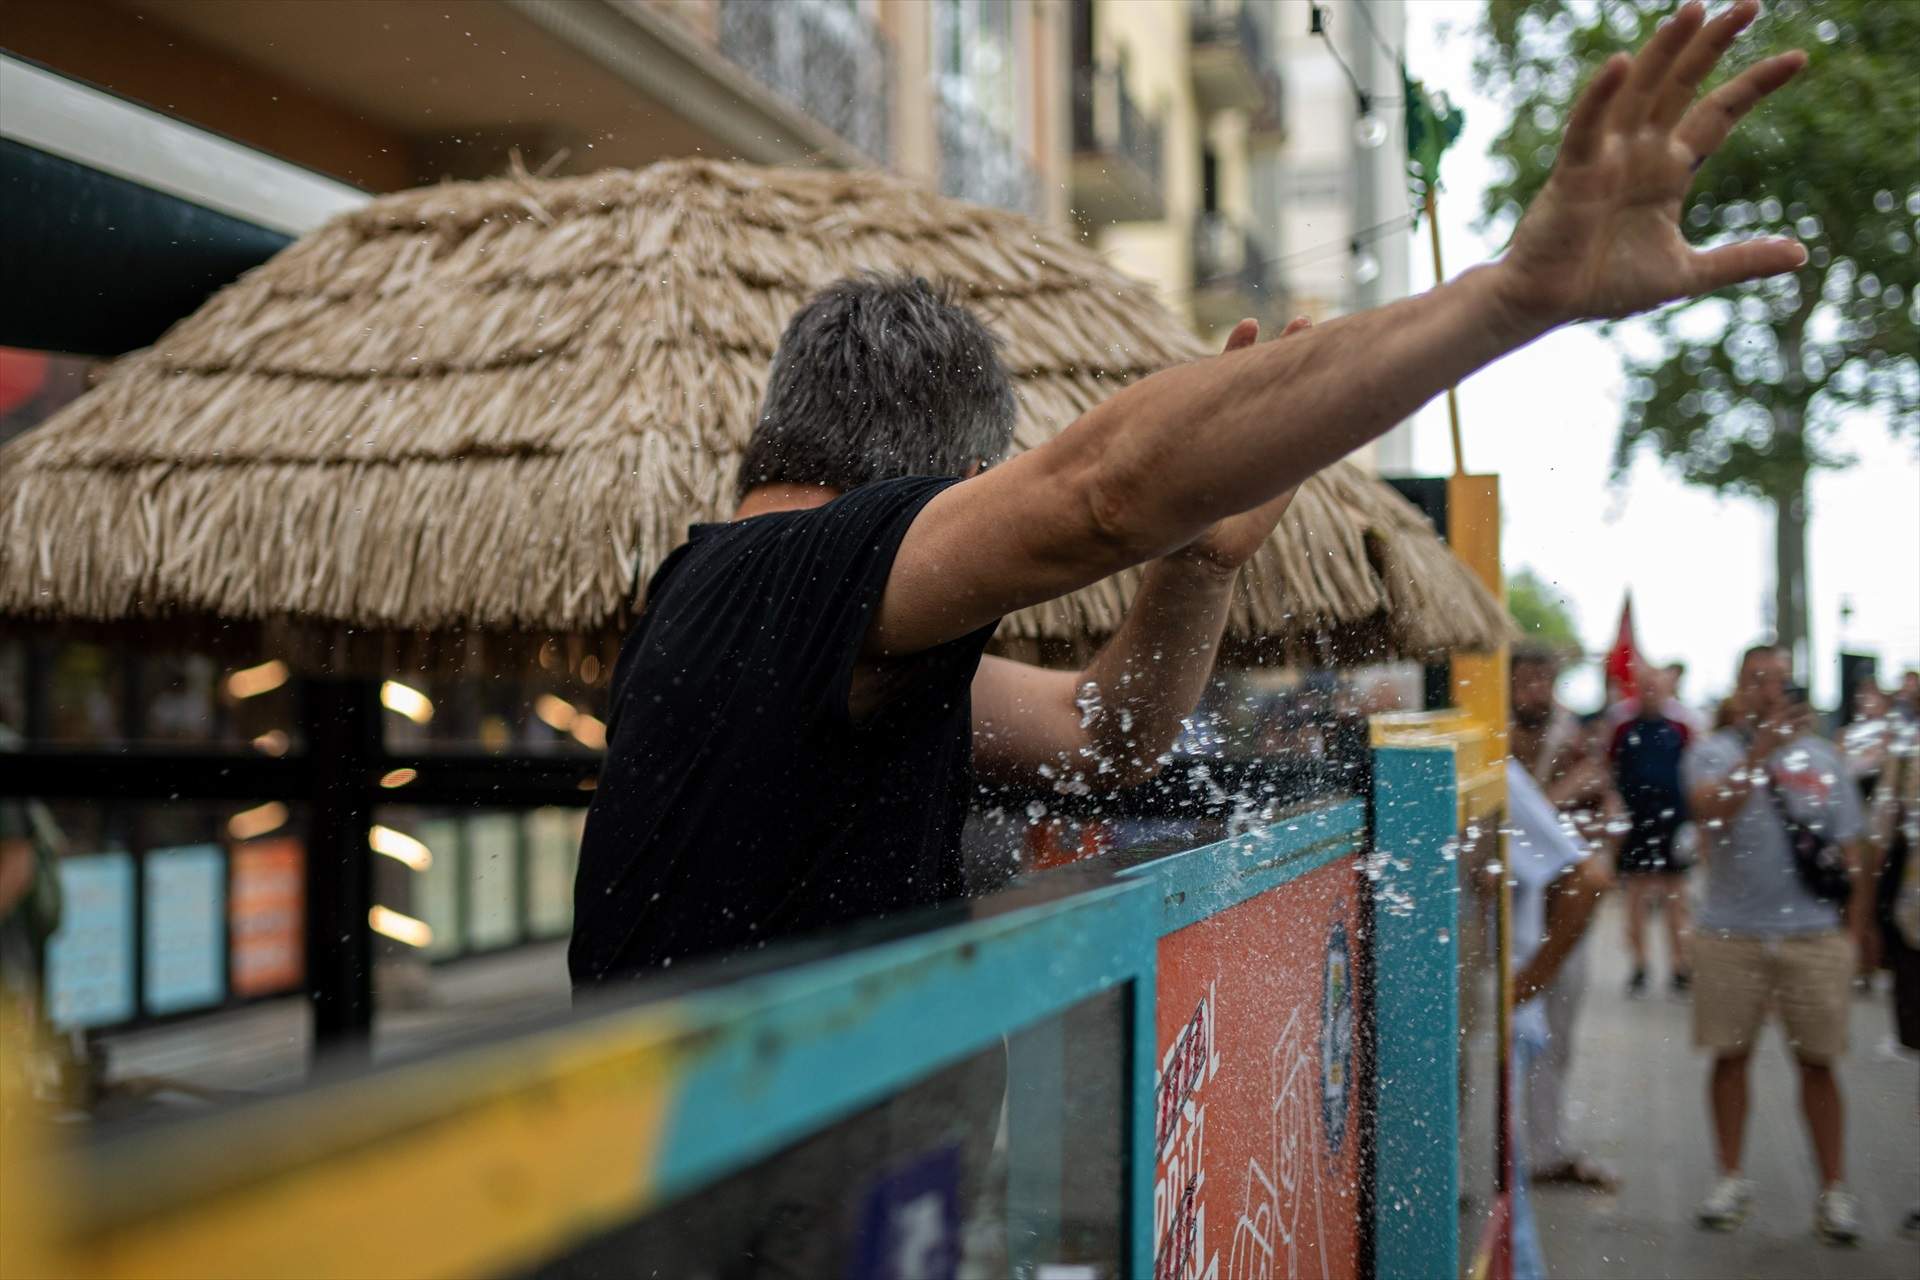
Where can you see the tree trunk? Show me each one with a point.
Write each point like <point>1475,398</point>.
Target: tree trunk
<point>1790,501</point>
<point>1790,576</point>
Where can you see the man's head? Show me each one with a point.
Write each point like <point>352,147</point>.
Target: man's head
<point>1676,672</point>
<point>1532,671</point>
<point>1760,690</point>
<point>879,377</point>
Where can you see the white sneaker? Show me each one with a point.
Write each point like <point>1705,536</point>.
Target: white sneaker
<point>1726,1205</point>
<point>1836,1217</point>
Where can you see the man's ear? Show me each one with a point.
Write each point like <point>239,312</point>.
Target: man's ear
<point>974,470</point>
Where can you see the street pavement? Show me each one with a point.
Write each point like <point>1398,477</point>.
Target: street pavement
<point>1638,1100</point>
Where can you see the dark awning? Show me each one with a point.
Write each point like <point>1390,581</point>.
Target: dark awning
<point>94,264</point>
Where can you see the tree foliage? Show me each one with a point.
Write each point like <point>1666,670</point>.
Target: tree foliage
<point>1747,391</point>
<point>1542,613</point>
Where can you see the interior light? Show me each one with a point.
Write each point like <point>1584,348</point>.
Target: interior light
<point>589,731</point>
<point>401,928</point>
<point>400,846</point>
<point>251,682</point>
<point>407,701</point>
<point>257,821</point>
<point>555,711</point>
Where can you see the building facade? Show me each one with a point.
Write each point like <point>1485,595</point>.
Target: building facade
<point>967,94</point>
<point>1277,194</point>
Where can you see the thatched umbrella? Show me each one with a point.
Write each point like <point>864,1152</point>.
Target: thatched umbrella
<point>461,421</point>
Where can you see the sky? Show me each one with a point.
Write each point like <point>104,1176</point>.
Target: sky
<point>1700,568</point>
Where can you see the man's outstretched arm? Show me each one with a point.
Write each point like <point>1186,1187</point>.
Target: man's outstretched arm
<point>1150,470</point>
<point>1111,722</point>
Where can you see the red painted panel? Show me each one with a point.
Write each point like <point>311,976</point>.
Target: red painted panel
<point>1257,1116</point>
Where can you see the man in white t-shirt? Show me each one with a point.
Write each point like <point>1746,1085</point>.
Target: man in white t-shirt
<point>1556,887</point>
<point>1765,944</point>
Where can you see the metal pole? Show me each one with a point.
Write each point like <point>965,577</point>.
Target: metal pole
<point>342,723</point>
<point>1439,277</point>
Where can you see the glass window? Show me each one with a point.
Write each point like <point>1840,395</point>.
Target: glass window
<point>1005,1163</point>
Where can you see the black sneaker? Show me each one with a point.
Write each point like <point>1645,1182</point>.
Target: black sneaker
<point>1637,984</point>
<point>1682,985</point>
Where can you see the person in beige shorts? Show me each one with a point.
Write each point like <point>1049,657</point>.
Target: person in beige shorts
<point>1766,947</point>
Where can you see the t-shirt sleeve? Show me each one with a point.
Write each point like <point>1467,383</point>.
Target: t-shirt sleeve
<point>824,572</point>
<point>1707,760</point>
<point>1847,818</point>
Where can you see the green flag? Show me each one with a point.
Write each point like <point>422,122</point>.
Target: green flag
<point>1433,125</point>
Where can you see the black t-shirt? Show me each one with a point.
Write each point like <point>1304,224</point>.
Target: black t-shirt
<point>740,802</point>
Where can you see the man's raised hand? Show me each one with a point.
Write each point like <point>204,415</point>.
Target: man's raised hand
<point>1602,239</point>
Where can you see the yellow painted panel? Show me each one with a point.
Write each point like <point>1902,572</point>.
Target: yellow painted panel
<point>555,1146</point>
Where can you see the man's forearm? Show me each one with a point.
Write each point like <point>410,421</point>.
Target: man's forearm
<point>1152,672</point>
<point>1199,442</point>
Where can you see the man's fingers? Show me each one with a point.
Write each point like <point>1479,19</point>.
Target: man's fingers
<point>1704,128</point>
<point>1296,324</point>
<point>1697,61</point>
<point>1749,260</point>
<point>1651,65</point>
<point>1588,122</point>
<point>1244,334</point>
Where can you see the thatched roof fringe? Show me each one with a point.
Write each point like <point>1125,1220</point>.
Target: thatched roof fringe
<point>485,412</point>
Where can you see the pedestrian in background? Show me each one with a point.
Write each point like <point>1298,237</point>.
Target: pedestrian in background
<point>1645,754</point>
<point>1557,884</point>
<point>1780,926</point>
<point>1893,836</point>
<point>1572,785</point>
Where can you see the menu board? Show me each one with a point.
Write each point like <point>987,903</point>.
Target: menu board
<point>185,949</point>
<point>553,851</point>
<point>436,891</point>
<point>493,880</point>
<point>90,957</point>
<point>1257,1170</point>
<point>269,896</point>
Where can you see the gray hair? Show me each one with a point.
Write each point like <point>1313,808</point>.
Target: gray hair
<point>879,377</point>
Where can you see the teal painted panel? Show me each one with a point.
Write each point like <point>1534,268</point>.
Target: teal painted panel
<point>1416,1014</point>
<point>779,1057</point>
<point>1203,882</point>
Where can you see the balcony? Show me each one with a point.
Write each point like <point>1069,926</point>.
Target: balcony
<point>825,59</point>
<point>1116,151</point>
<point>1267,123</point>
<point>1229,55</point>
<point>977,161</point>
<point>1230,274</point>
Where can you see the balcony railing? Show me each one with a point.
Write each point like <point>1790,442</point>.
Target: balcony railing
<point>825,59</point>
<point>977,161</point>
<point>1116,173</point>
<point>1106,118</point>
<point>1229,54</point>
<point>1230,274</point>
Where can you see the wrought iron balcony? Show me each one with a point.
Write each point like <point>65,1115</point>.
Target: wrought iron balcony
<point>977,161</point>
<point>1116,151</point>
<point>825,59</point>
<point>1229,54</point>
<point>1230,274</point>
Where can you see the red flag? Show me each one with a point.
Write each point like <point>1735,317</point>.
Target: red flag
<point>1623,660</point>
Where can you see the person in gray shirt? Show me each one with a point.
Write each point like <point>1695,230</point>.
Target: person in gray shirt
<point>1767,945</point>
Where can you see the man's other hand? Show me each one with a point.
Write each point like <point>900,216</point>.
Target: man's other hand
<point>1232,542</point>
<point>1602,239</point>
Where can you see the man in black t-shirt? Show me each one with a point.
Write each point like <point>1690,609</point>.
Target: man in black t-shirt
<point>798,712</point>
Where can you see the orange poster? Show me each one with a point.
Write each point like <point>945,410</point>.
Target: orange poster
<point>1258,1168</point>
<point>269,895</point>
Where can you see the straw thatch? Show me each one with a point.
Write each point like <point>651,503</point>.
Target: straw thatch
<point>461,420</point>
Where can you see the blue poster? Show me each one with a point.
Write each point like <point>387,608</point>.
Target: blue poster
<point>90,957</point>
<point>186,935</point>
<point>910,1221</point>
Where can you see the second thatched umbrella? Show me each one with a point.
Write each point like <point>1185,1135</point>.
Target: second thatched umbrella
<point>470,417</point>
